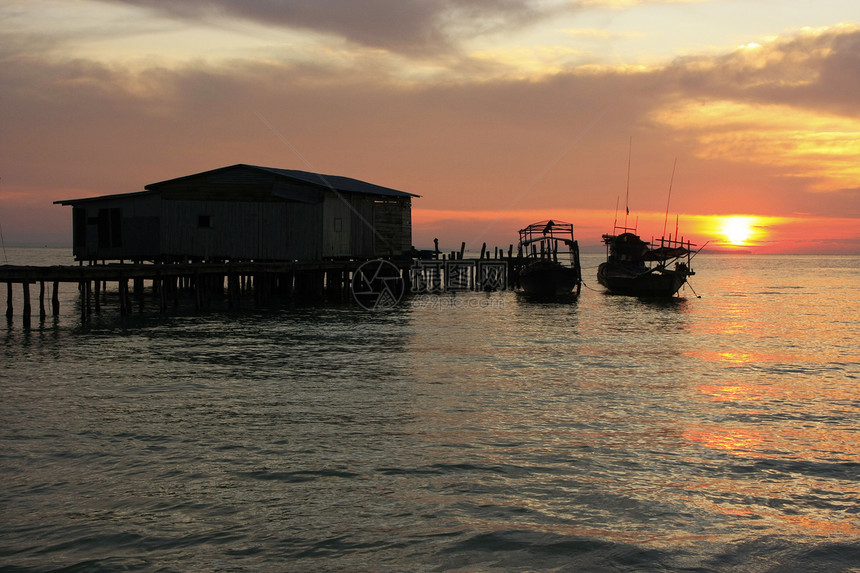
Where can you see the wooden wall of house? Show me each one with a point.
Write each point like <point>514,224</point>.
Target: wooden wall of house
<point>304,233</point>
<point>406,225</point>
<point>241,230</point>
<point>361,226</point>
<point>241,213</point>
<point>392,219</point>
<point>116,228</point>
<point>336,225</point>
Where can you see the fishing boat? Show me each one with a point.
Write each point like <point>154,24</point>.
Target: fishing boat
<point>548,260</point>
<point>638,268</point>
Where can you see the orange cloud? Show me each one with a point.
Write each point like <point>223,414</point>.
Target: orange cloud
<point>759,131</point>
<point>807,144</point>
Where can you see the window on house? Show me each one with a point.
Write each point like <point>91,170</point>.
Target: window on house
<point>338,224</point>
<point>204,221</point>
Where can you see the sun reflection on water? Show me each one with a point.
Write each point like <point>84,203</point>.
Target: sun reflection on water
<point>732,440</point>
<point>732,392</point>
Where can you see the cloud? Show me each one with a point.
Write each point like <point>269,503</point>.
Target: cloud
<point>813,69</point>
<point>790,104</point>
<point>411,27</point>
<point>755,130</point>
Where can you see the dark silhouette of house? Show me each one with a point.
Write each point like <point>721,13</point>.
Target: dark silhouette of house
<point>245,212</point>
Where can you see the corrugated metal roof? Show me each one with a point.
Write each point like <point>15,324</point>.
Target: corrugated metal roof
<point>335,182</point>
<point>103,197</point>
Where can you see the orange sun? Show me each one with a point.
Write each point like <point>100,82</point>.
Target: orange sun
<point>738,230</point>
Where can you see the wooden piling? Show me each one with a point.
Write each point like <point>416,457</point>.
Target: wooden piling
<point>42,313</point>
<point>317,279</point>
<point>232,290</point>
<point>97,296</point>
<point>55,299</point>
<point>198,295</point>
<point>9,301</point>
<point>123,297</point>
<point>162,295</point>
<point>26,288</point>
<point>138,293</point>
<point>84,288</point>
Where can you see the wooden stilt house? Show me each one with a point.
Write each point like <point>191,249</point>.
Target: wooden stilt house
<point>245,212</point>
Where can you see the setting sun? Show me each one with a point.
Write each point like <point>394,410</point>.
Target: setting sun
<point>738,230</point>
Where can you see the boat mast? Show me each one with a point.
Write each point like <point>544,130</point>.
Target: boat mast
<point>3,244</point>
<point>627,198</point>
<point>615,221</point>
<point>669,198</point>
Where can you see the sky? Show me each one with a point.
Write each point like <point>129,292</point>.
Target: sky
<point>736,123</point>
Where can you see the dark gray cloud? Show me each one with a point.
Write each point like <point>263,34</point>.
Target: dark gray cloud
<point>812,70</point>
<point>411,27</point>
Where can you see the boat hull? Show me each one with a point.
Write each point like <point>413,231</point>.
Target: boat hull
<point>547,282</point>
<point>656,283</point>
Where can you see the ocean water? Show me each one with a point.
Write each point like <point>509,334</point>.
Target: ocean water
<point>454,432</point>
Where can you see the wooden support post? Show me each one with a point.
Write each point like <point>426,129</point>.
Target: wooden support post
<point>162,294</point>
<point>198,295</point>
<point>97,295</point>
<point>233,290</point>
<point>84,288</point>
<point>9,300</point>
<point>26,287</point>
<point>42,313</point>
<point>287,288</point>
<point>256,288</point>
<point>209,282</point>
<point>462,249</point>
<point>55,299</point>
<point>301,283</point>
<point>285,285</point>
<point>332,283</point>
<point>138,293</point>
<point>123,296</point>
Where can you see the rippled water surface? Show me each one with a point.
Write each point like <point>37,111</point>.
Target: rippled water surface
<point>464,432</point>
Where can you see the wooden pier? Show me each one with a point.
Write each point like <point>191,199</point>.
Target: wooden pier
<point>204,281</point>
<point>229,281</point>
